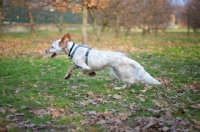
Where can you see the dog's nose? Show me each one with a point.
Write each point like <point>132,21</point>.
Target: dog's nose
<point>46,51</point>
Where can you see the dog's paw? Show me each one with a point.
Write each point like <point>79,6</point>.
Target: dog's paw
<point>67,76</point>
<point>92,73</point>
<point>118,88</point>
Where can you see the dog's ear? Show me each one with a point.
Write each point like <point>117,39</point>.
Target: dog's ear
<point>69,36</point>
<point>64,41</point>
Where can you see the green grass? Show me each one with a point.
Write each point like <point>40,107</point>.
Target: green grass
<point>29,83</point>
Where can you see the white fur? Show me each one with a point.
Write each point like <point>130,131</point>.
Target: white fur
<point>123,68</point>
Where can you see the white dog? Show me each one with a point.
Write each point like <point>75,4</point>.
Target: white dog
<point>90,60</point>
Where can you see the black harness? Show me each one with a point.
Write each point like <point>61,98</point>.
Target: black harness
<point>72,54</point>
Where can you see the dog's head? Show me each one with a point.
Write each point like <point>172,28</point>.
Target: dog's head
<point>57,47</point>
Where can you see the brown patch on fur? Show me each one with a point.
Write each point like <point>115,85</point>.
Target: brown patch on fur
<point>66,38</point>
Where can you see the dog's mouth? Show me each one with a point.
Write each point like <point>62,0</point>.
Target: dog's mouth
<point>53,55</point>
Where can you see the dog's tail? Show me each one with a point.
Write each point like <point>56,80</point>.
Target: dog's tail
<point>142,75</point>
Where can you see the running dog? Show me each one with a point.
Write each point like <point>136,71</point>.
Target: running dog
<point>90,60</point>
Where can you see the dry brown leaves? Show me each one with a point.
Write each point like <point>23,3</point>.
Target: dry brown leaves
<point>18,120</point>
<point>163,123</point>
<point>55,113</point>
<point>112,121</point>
<point>10,48</point>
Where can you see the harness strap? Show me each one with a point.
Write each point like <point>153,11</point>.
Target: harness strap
<point>86,55</point>
<point>71,49</point>
<point>71,56</point>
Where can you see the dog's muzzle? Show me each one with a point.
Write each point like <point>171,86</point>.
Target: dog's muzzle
<point>47,51</point>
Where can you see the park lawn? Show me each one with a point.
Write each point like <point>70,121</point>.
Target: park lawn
<point>35,96</point>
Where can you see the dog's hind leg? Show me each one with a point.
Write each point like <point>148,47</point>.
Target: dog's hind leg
<point>89,73</point>
<point>114,73</point>
<point>70,70</point>
<point>123,87</point>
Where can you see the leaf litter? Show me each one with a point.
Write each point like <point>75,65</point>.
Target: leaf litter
<point>114,120</point>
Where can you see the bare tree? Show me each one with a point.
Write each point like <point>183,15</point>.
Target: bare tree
<point>153,14</point>
<point>92,12</point>
<point>188,15</point>
<point>82,6</point>
<point>112,14</point>
<point>130,18</point>
<point>195,14</point>
<point>86,5</point>
<point>30,14</point>
<point>161,13</point>
<point>61,7</point>
<point>1,4</point>
<point>29,7</point>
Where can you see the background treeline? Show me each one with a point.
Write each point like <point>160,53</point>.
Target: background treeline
<point>148,15</point>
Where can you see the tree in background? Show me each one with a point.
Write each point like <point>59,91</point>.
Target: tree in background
<point>195,14</point>
<point>110,16</point>
<point>30,14</point>
<point>92,12</point>
<point>130,18</point>
<point>186,14</point>
<point>27,8</point>
<point>161,11</point>
<point>154,14</point>
<point>61,7</point>
<point>146,14</point>
<point>89,5</point>
<point>81,6</point>
<point>1,5</point>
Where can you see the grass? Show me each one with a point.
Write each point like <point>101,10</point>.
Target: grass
<point>31,81</point>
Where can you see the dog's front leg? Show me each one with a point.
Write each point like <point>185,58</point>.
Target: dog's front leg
<point>70,70</point>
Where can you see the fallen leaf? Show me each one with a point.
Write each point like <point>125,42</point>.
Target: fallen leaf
<point>116,96</point>
<point>132,105</point>
<point>165,128</point>
<point>89,94</point>
<point>17,90</point>
<point>102,121</point>
<point>93,113</point>
<point>142,99</point>
<point>197,123</point>
<point>123,116</point>
<point>85,103</point>
<point>158,103</point>
<point>12,110</point>
<point>38,102</point>
<point>2,110</point>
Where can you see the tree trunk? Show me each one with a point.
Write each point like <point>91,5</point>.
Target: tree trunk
<point>60,27</point>
<point>1,2</point>
<point>143,31</point>
<point>92,15</point>
<point>128,30</point>
<point>156,29</point>
<point>103,29</point>
<point>94,24</point>
<point>84,25</point>
<point>117,30</point>
<point>31,20</point>
<point>188,21</point>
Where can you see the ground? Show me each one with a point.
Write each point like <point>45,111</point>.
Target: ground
<point>35,96</point>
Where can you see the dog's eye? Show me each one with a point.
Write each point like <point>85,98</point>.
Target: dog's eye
<point>52,47</point>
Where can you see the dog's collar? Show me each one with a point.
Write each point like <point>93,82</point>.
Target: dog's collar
<point>71,49</point>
